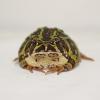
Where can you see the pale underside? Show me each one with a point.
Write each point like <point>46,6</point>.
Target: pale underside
<point>46,59</point>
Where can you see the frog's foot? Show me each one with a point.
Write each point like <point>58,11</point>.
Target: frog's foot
<point>54,69</point>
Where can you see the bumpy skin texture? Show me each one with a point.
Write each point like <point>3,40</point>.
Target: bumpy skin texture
<point>54,40</point>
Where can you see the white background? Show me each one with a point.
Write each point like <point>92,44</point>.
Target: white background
<point>78,18</point>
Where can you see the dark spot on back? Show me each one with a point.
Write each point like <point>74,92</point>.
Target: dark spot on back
<point>46,34</point>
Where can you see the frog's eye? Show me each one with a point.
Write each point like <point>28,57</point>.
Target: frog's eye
<point>41,48</point>
<point>51,48</point>
<point>33,41</point>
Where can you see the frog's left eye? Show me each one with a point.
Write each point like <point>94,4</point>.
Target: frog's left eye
<point>51,48</point>
<point>41,48</point>
<point>33,41</point>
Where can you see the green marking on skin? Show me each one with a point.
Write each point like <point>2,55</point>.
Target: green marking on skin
<point>23,49</point>
<point>74,57</point>
<point>40,35</point>
<point>54,34</point>
<point>70,53</point>
<point>37,47</point>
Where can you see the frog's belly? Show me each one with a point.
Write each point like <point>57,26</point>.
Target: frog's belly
<point>46,59</point>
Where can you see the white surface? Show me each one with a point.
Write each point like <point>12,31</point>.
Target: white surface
<point>80,18</point>
<point>77,15</point>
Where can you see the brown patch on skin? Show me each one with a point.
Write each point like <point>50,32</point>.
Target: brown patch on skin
<point>54,69</point>
<point>85,57</point>
<point>39,69</point>
<point>31,68</point>
<point>68,66</point>
<point>26,66</point>
<point>60,69</point>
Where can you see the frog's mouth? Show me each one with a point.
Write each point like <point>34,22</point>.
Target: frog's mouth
<point>46,59</point>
